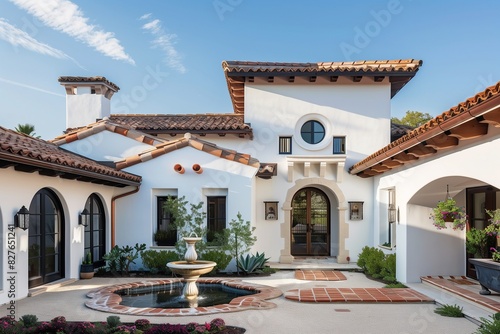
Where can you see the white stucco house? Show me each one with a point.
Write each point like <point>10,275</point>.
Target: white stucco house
<point>308,156</point>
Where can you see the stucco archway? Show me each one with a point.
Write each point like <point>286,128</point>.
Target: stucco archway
<point>331,189</point>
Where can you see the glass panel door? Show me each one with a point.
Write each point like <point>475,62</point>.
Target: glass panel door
<point>310,223</point>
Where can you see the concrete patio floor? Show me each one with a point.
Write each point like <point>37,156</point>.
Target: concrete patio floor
<point>289,316</point>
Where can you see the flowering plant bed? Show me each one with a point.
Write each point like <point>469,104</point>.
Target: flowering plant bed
<point>449,212</point>
<point>29,324</point>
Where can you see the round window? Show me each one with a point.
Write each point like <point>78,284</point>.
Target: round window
<point>312,132</point>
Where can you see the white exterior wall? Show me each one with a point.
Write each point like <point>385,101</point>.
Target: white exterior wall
<point>360,111</point>
<point>18,189</point>
<point>421,248</point>
<point>136,215</point>
<point>106,146</point>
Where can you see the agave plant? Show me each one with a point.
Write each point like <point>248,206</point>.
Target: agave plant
<point>250,263</point>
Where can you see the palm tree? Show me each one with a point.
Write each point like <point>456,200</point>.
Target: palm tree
<point>27,129</point>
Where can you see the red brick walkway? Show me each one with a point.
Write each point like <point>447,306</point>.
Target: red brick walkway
<point>319,275</point>
<point>469,290</point>
<point>352,295</point>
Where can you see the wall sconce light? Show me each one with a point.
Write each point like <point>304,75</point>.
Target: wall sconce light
<point>356,210</point>
<point>22,218</point>
<point>84,218</point>
<point>392,214</point>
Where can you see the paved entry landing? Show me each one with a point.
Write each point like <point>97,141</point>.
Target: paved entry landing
<point>319,275</point>
<point>357,295</point>
<point>465,288</point>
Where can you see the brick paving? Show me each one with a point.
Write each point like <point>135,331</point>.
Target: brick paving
<point>319,275</point>
<point>357,295</point>
<point>469,291</point>
<point>349,295</point>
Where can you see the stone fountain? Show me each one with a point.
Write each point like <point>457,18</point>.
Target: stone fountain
<point>191,269</point>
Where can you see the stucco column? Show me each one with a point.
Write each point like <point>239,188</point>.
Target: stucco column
<point>285,255</point>
<point>343,234</point>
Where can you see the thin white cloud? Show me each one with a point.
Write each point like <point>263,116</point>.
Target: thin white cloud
<point>17,37</point>
<point>65,16</point>
<point>15,83</point>
<point>164,42</point>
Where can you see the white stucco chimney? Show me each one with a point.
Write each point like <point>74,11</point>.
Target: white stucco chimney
<point>88,99</point>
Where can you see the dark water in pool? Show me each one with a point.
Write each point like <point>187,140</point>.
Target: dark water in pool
<point>170,295</point>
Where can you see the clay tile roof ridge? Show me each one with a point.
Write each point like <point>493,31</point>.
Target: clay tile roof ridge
<point>65,79</point>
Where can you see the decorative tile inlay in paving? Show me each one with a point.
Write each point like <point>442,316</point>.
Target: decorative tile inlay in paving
<point>106,300</point>
<point>319,275</point>
<point>467,291</point>
<point>363,295</point>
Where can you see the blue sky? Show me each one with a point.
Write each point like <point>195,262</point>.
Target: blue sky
<point>166,55</point>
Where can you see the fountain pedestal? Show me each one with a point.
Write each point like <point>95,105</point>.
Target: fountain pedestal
<point>191,269</point>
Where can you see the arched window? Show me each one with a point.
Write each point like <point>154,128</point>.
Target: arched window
<point>46,239</point>
<point>95,233</point>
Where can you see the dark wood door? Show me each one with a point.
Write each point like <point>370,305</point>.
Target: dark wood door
<point>310,230</point>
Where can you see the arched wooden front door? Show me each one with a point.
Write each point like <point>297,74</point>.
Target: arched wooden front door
<point>310,223</point>
<point>46,235</point>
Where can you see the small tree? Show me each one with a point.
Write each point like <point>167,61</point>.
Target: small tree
<point>187,222</point>
<point>413,118</point>
<point>238,238</point>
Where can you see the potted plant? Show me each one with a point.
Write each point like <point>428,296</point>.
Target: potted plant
<point>87,267</point>
<point>449,212</point>
<point>477,242</point>
<point>494,227</point>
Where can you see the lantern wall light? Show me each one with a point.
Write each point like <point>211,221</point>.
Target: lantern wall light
<point>22,218</point>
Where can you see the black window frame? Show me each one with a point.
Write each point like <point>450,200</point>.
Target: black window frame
<point>97,224</point>
<point>285,142</point>
<point>164,216</point>
<point>216,216</point>
<point>342,144</point>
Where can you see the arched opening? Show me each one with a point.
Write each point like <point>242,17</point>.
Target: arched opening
<point>46,239</point>
<point>310,229</point>
<point>95,231</point>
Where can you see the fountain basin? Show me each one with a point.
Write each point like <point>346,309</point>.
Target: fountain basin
<point>196,268</point>
<point>106,299</point>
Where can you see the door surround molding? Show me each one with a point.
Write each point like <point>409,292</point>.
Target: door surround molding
<point>330,188</point>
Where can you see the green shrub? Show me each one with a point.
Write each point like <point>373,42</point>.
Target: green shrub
<point>119,259</point>
<point>113,321</point>
<point>378,265</point>
<point>453,311</point>
<point>395,285</point>
<point>29,320</point>
<point>156,261</point>
<point>489,326</point>
<point>218,256</point>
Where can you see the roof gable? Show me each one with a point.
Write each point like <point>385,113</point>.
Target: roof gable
<point>30,154</point>
<point>188,140</point>
<point>467,120</point>
<point>237,73</point>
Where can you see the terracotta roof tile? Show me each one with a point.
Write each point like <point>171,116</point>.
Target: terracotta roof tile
<point>180,124</point>
<point>236,73</point>
<point>35,154</point>
<point>474,109</point>
<point>96,79</point>
<point>364,66</point>
<point>83,132</point>
<point>188,140</point>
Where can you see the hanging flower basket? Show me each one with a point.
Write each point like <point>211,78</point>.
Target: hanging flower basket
<point>448,212</point>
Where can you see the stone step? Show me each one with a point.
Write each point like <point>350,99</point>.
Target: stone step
<point>50,286</point>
